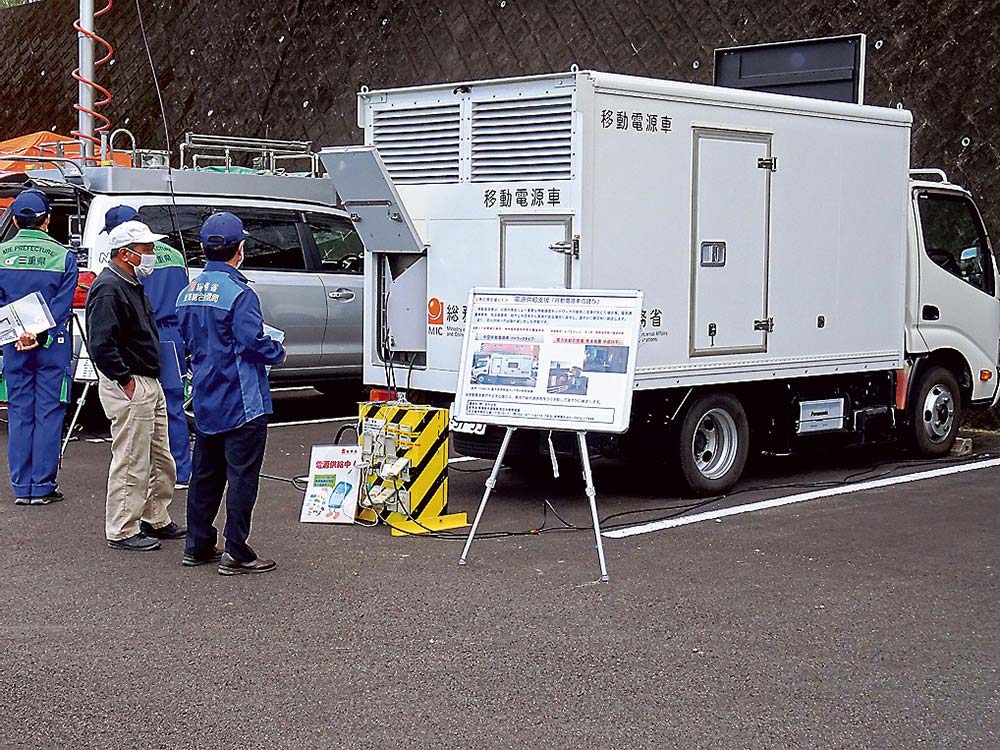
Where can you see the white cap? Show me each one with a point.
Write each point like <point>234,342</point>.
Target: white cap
<point>130,233</point>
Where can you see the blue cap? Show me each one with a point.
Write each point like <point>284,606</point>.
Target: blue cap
<point>118,215</point>
<point>222,229</point>
<point>30,204</point>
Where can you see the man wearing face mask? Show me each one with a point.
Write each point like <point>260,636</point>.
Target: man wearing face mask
<point>162,287</point>
<point>125,349</point>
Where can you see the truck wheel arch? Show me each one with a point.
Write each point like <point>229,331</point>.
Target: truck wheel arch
<point>950,359</point>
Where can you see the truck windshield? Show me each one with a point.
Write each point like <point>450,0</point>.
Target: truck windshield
<point>954,239</point>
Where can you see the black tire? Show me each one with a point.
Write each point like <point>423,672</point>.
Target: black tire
<point>934,412</point>
<point>712,443</point>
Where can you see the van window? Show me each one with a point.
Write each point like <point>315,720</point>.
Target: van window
<point>340,248</point>
<point>954,239</point>
<point>273,244</point>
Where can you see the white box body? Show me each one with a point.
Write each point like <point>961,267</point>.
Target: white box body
<point>751,269</point>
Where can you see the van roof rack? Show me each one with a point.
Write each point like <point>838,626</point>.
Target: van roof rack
<point>267,154</point>
<point>929,174</point>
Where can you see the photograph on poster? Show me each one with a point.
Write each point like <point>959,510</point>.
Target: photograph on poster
<point>505,364</point>
<point>565,378</point>
<point>605,359</point>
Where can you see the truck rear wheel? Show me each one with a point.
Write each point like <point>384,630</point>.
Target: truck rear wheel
<point>713,442</point>
<point>935,410</point>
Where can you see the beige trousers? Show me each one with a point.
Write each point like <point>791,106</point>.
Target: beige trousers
<point>142,475</point>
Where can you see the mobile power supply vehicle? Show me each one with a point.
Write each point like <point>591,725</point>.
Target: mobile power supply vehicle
<point>800,280</point>
<point>303,256</point>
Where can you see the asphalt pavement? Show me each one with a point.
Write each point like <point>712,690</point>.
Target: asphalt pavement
<point>864,620</point>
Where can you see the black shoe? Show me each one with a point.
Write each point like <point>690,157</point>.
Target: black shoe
<point>170,531</point>
<point>136,543</point>
<point>53,497</point>
<point>22,501</point>
<point>230,566</point>
<point>192,561</point>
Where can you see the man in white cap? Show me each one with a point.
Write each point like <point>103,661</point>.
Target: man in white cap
<point>125,348</point>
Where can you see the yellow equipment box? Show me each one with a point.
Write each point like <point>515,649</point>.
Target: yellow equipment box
<point>406,449</point>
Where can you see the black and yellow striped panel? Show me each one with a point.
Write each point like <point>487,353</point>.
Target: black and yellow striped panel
<point>421,434</point>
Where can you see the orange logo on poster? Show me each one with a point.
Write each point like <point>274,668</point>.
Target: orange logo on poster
<point>435,312</point>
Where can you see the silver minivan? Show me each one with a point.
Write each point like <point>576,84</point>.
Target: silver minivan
<point>304,257</point>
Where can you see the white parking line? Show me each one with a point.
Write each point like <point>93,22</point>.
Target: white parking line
<point>462,459</point>
<point>353,417</point>
<point>777,502</point>
<point>287,388</point>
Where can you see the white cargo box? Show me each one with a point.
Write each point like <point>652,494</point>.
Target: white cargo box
<point>768,233</point>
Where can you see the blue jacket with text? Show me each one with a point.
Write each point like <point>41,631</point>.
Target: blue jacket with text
<point>222,325</point>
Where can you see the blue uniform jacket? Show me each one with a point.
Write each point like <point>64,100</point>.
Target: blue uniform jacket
<point>32,261</point>
<point>222,325</point>
<point>165,283</point>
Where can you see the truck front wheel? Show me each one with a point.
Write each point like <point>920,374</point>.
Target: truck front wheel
<point>935,410</point>
<point>713,442</point>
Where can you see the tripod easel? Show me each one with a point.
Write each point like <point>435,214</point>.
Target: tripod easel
<point>82,401</point>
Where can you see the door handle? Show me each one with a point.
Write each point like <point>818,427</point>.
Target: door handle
<point>930,312</point>
<point>343,295</point>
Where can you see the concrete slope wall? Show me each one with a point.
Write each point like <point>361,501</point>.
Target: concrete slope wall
<point>291,68</point>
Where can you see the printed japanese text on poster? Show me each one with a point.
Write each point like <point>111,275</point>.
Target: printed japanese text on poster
<point>559,359</point>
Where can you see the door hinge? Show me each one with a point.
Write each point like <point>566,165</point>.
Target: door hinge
<point>771,163</point>
<point>567,247</point>
<point>766,325</point>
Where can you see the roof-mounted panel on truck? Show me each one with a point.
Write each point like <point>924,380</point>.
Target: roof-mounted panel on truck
<point>832,68</point>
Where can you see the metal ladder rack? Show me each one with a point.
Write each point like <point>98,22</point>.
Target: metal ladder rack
<point>268,154</point>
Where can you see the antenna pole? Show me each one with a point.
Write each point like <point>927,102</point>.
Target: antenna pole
<point>86,93</point>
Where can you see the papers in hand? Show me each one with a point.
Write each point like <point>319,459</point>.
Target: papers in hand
<point>29,314</point>
<point>275,333</point>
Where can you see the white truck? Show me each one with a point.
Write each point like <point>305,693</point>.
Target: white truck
<point>800,280</point>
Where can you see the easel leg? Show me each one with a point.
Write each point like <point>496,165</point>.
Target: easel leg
<point>76,418</point>
<point>490,484</point>
<point>592,496</point>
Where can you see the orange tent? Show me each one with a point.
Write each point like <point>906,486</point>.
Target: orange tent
<point>45,143</point>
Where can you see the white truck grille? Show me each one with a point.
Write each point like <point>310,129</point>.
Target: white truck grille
<point>522,139</point>
<point>419,144</point>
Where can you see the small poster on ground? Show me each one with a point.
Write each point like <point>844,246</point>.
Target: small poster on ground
<point>334,478</point>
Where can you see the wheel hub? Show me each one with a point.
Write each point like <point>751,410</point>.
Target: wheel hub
<point>938,413</point>
<point>715,444</point>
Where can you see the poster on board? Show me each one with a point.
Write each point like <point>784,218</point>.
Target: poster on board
<point>559,359</point>
<point>334,478</point>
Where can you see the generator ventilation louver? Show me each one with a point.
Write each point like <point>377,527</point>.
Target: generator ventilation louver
<point>419,144</point>
<point>522,139</point>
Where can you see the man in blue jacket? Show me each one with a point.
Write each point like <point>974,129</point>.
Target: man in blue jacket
<point>162,287</point>
<point>36,370</point>
<point>222,325</point>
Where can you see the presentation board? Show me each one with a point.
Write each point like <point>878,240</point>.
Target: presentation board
<point>553,359</point>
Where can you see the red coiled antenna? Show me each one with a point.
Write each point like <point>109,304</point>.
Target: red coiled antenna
<point>105,123</point>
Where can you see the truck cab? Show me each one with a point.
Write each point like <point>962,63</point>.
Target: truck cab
<point>952,312</point>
